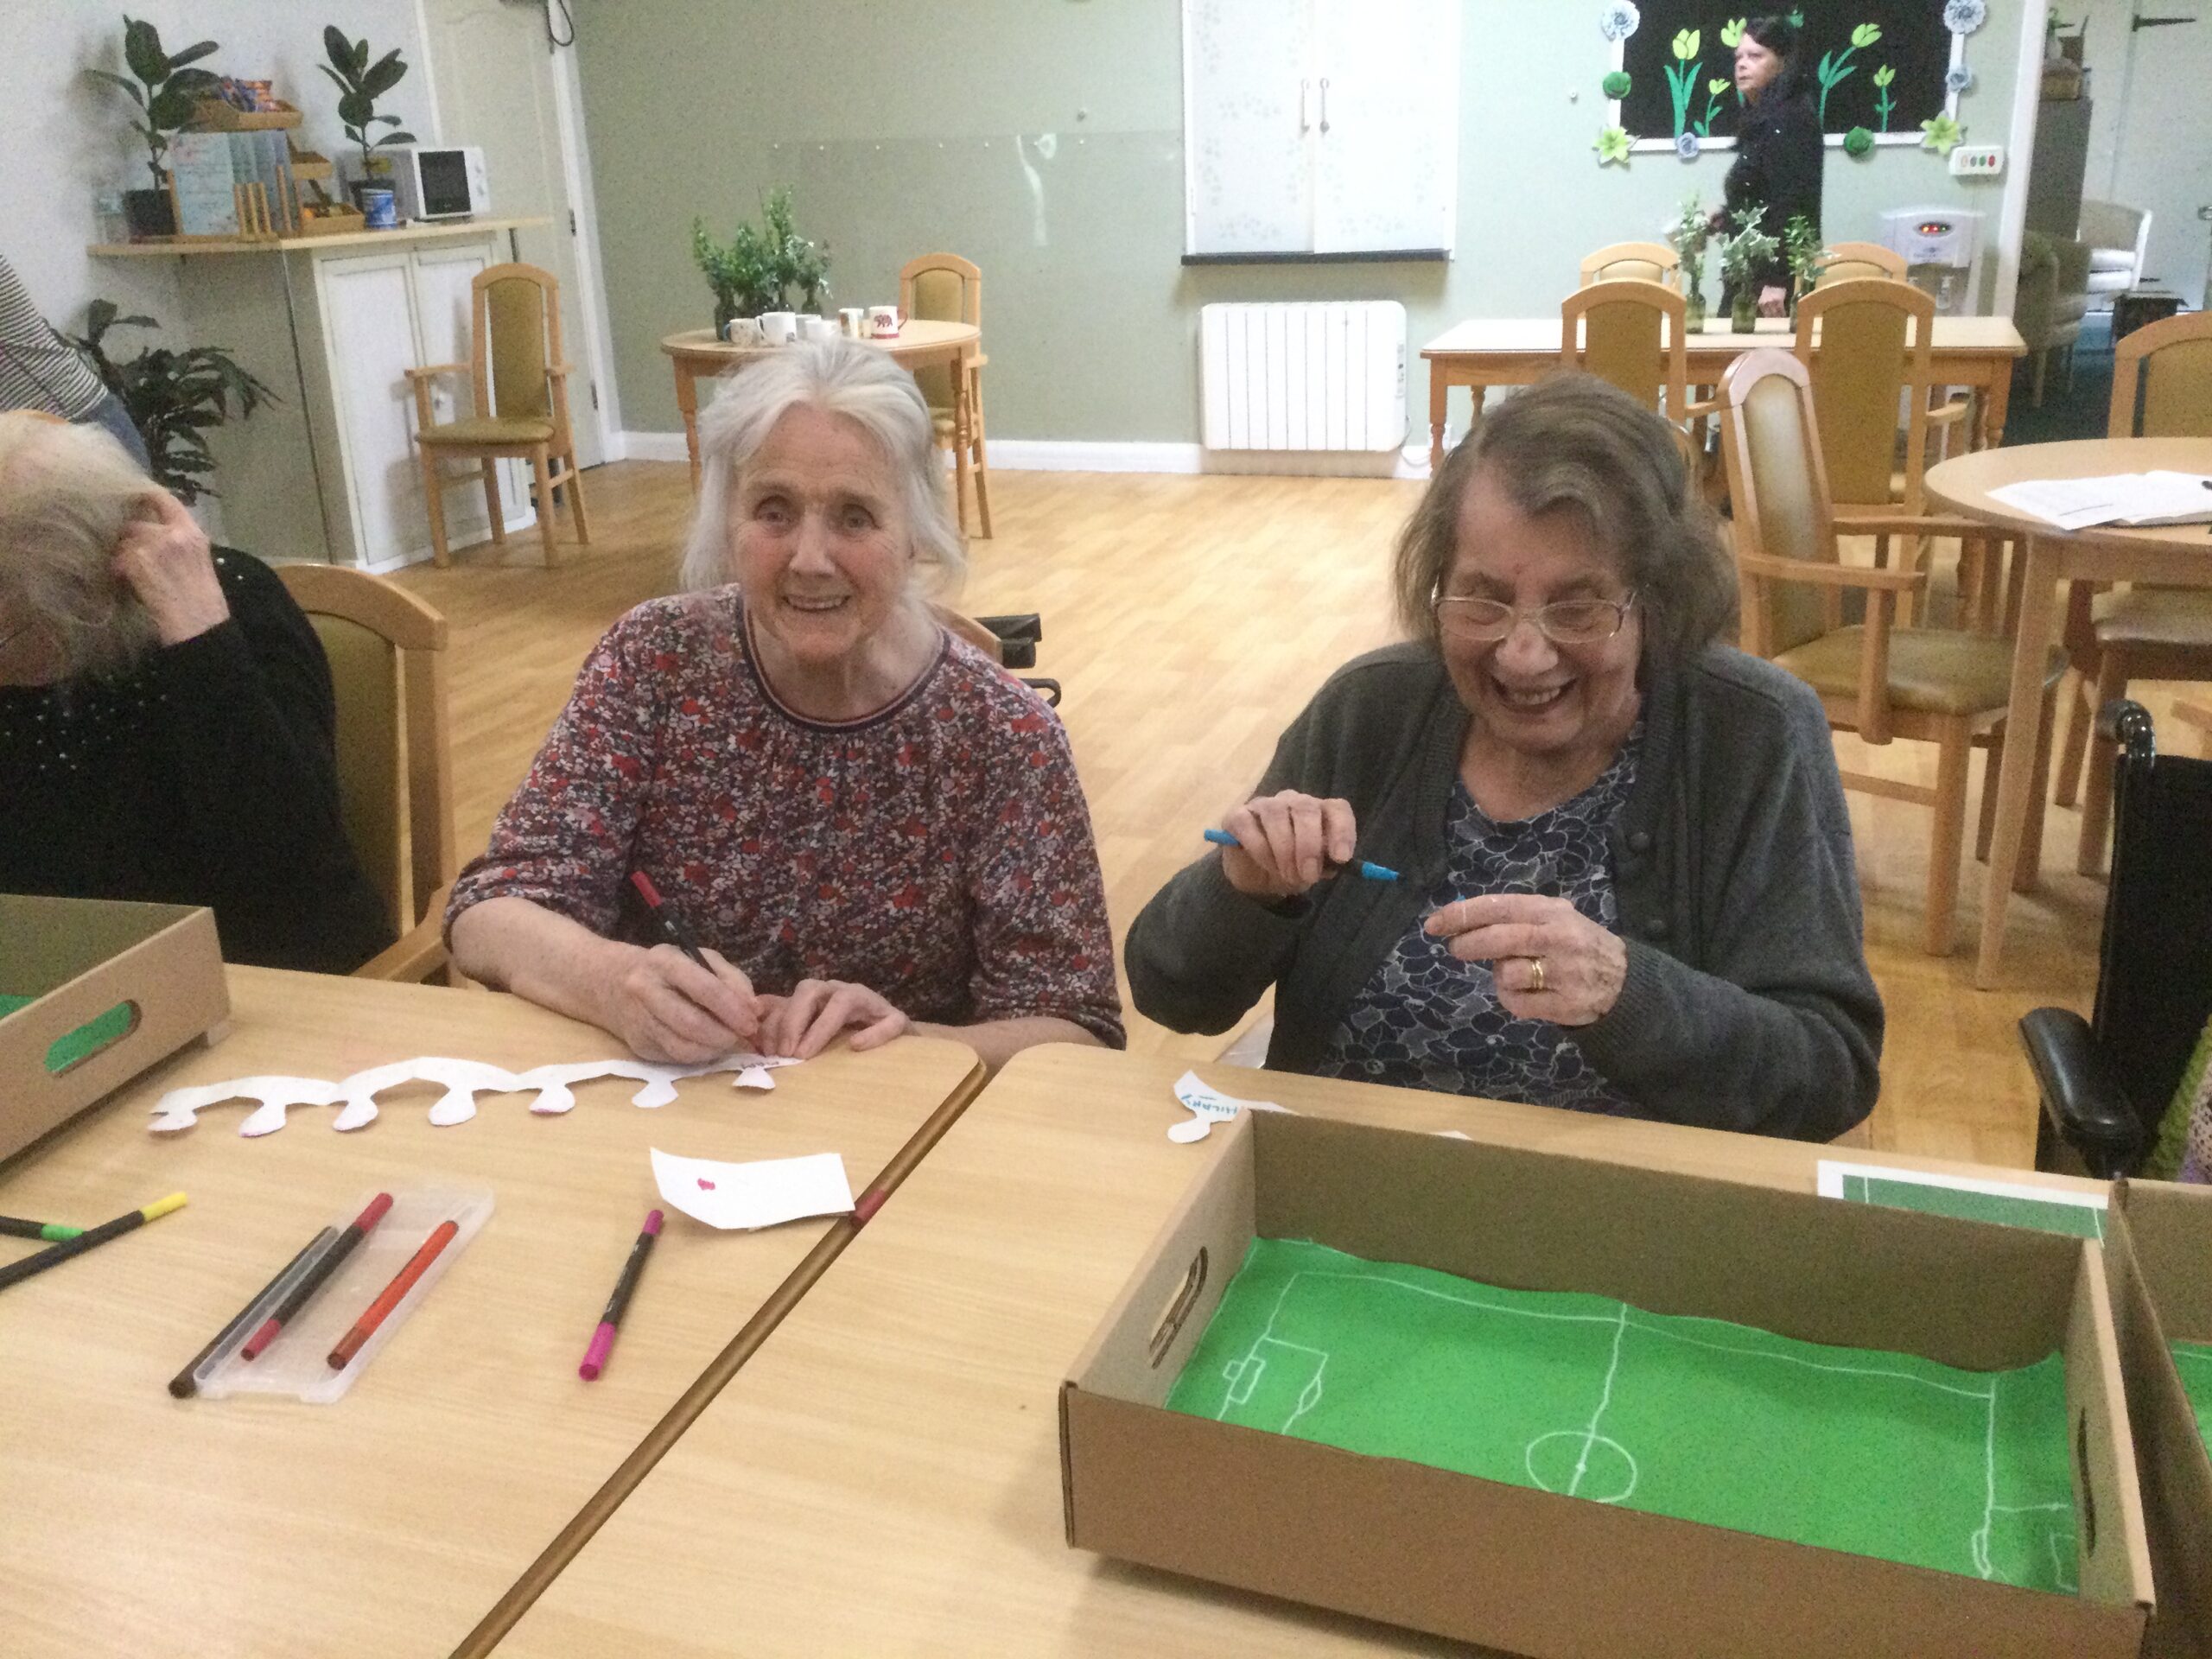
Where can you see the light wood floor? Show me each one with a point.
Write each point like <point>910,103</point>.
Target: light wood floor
<point>1189,619</point>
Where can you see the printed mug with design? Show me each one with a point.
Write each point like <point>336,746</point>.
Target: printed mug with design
<point>883,322</point>
<point>852,323</point>
<point>744,331</point>
<point>780,327</point>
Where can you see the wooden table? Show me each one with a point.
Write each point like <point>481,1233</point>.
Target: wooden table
<point>695,352</point>
<point>1973,352</point>
<point>387,1523</point>
<point>884,1476</point>
<point>2179,555</point>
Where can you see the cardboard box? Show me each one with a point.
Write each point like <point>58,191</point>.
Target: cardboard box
<point>82,960</point>
<point>1538,1573</point>
<point>2159,1239</point>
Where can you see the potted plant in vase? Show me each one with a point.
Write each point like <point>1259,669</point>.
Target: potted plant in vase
<point>166,89</point>
<point>1688,236</point>
<point>1801,245</point>
<point>360,84</point>
<point>1743,257</point>
<point>758,267</point>
<point>173,398</point>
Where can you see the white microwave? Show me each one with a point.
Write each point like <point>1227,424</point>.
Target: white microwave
<point>430,181</point>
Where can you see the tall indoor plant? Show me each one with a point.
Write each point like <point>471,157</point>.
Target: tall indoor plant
<point>173,398</point>
<point>360,84</point>
<point>1688,236</point>
<point>166,91</point>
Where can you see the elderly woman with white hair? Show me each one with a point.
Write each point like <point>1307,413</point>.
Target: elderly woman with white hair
<point>867,825</point>
<point>165,714</point>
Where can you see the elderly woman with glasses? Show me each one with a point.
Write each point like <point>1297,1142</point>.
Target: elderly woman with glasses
<point>867,825</point>
<point>1617,872</point>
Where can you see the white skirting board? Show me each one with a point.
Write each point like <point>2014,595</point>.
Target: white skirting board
<point>1056,456</point>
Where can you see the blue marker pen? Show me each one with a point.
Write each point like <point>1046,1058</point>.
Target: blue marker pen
<point>1367,871</point>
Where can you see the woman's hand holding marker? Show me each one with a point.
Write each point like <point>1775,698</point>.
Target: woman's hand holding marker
<point>668,1007</point>
<point>1281,846</point>
<point>1550,961</point>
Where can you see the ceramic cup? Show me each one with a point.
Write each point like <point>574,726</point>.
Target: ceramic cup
<point>883,322</point>
<point>852,323</point>
<point>744,331</point>
<point>816,328</point>
<point>780,327</point>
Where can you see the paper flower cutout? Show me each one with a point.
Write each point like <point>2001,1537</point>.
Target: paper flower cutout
<point>1885,74</point>
<point>1959,79</point>
<point>1686,45</point>
<point>1732,32</point>
<point>1687,145</point>
<point>1619,21</point>
<point>1612,145</point>
<point>1858,142</point>
<point>1616,84</point>
<point>1964,16</point>
<point>1942,135</point>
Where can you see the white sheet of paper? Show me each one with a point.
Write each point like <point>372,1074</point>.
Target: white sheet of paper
<point>761,1194</point>
<point>1209,1106</point>
<point>2120,499</point>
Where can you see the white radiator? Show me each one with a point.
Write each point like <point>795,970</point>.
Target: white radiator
<point>1324,376</point>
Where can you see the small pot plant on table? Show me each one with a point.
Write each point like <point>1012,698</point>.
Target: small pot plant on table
<point>761,265</point>
<point>166,91</point>
<point>1744,258</point>
<point>360,84</point>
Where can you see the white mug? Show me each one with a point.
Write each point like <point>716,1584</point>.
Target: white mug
<point>743,331</point>
<point>883,322</point>
<point>852,323</point>
<point>816,328</point>
<point>780,327</point>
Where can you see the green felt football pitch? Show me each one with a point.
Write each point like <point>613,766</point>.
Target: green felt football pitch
<point>2193,1360</point>
<point>1881,1454</point>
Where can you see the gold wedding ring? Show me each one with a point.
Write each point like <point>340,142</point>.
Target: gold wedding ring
<point>1535,973</point>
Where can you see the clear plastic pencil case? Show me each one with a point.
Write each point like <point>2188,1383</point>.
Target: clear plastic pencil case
<point>358,1307</point>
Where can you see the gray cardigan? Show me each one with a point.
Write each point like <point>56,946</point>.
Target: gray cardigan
<point>1748,1004</point>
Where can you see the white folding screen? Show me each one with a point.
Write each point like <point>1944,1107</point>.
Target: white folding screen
<point>1320,126</point>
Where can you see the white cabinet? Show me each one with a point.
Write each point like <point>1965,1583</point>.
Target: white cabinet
<point>1320,126</point>
<point>330,472</point>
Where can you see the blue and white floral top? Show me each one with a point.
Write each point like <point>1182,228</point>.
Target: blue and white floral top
<point>1429,1021</point>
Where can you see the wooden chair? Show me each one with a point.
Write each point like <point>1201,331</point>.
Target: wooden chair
<point>1632,332</point>
<point>2146,632</point>
<point>2198,715</point>
<point>1852,262</point>
<point>1883,682</point>
<point>520,384</point>
<point>1640,262</point>
<point>944,287</point>
<point>395,758</point>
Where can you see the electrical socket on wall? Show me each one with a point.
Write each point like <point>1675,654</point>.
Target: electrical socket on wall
<point>1977,161</point>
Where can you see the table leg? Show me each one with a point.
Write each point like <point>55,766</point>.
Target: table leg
<point>956,372</point>
<point>687,402</point>
<point>1996,401</point>
<point>2022,735</point>
<point>1439,394</point>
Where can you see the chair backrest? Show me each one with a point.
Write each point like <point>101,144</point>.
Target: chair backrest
<point>940,287</point>
<point>395,758</point>
<point>1873,337</point>
<point>2114,225</point>
<point>1631,333</point>
<point>1851,262</point>
<point>1636,262</point>
<point>1778,486</point>
<point>2154,971</point>
<point>515,329</point>
<point>2165,368</point>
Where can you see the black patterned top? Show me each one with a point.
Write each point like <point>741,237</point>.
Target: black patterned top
<point>1428,1021</point>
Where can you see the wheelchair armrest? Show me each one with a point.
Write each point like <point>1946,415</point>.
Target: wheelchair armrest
<point>2085,1103</point>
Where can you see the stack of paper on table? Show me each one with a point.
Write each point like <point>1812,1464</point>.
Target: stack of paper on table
<point>2136,500</point>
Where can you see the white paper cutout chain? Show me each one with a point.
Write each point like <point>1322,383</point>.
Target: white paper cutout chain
<point>552,1087</point>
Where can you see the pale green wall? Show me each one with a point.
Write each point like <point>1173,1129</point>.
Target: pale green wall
<point>898,126</point>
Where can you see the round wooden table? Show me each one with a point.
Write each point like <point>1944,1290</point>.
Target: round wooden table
<point>2177,555</point>
<point>695,352</point>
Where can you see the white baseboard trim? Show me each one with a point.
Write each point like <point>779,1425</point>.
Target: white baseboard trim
<point>463,536</point>
<point>1064,456</point>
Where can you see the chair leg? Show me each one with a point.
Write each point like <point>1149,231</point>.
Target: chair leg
<point>579,520</point>
<point>2081,721</point>
<point>982,458</point>
<point>1985,823</point>
<point>2027,870</point>
<point>433,506</point>
<point>2036,387</point>
<point>1952,754</point>
<point>492,504</point>
<point>963,473</point>
<point>2096,788</point>
<point>540,472</point>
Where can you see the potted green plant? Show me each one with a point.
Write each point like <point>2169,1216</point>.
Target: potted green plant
<point>1800,246</point>
<point>764,267</point>
<point>360,84</point>
<point>166,89</point>
<point>173,398</point>
<point>1688,236</point>
<point>1744,256</point>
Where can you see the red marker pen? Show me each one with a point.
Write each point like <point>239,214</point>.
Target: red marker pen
<point>316,1277</point>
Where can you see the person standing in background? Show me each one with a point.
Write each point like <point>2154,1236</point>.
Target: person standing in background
<point>40,370</point>
<point>1779,150</point>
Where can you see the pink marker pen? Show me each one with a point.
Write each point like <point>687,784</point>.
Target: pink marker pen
<point>602,1340</point>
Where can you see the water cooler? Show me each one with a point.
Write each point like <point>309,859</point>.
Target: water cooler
<point>1941,246</point>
